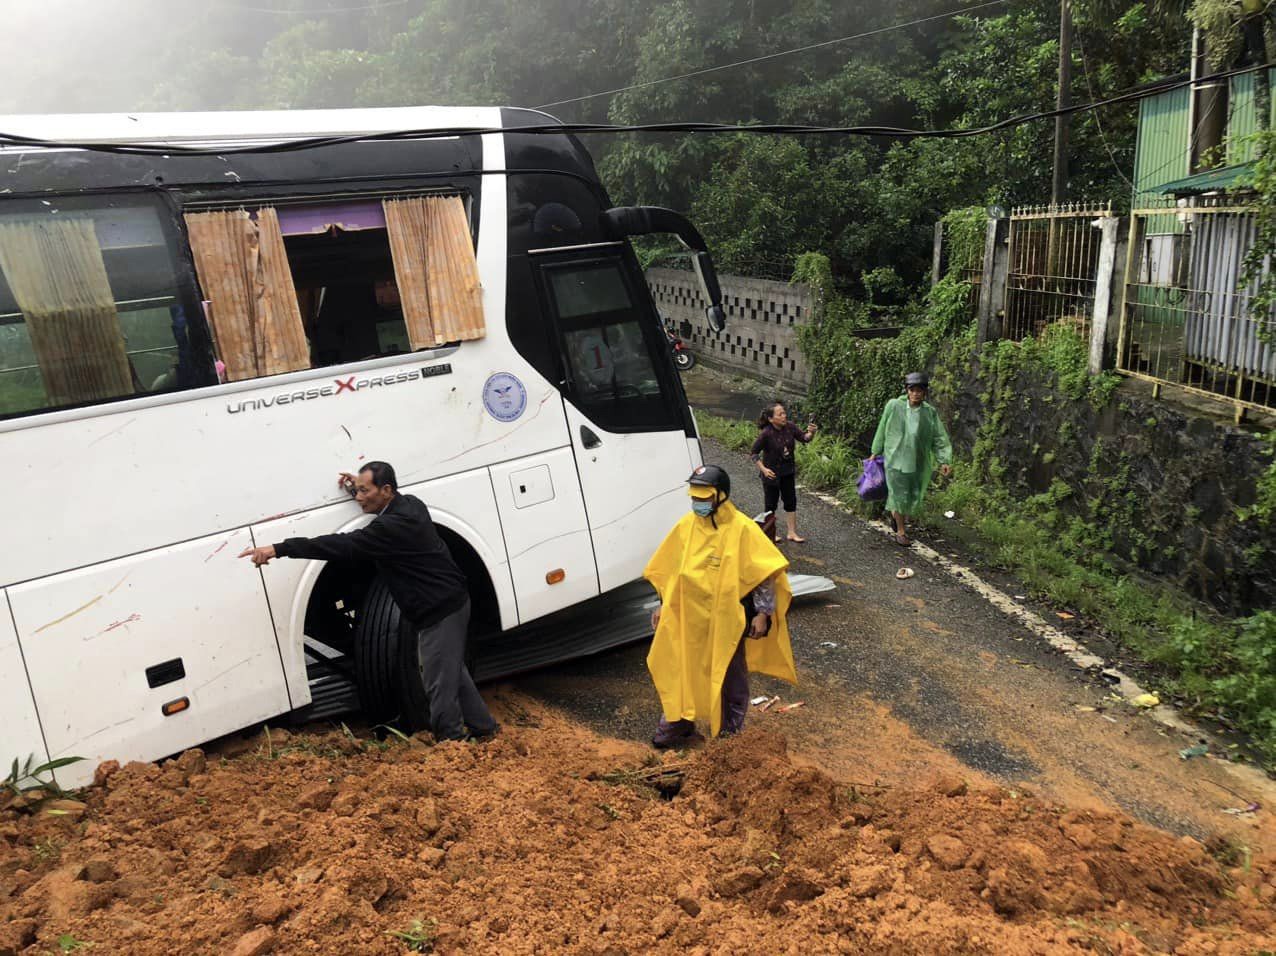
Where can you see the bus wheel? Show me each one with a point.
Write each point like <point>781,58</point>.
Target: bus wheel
<point>387,668</point>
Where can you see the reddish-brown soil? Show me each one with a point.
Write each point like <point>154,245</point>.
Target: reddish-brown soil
<point>319,842</point>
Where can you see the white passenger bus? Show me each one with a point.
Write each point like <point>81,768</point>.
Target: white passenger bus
<point>192,346</point>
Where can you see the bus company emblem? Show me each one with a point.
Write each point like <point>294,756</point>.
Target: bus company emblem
<point>351,383</point>
<point>504,397</point>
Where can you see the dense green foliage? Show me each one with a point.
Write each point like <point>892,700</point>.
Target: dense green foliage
<point>852,378</point>
<point>868,204</point>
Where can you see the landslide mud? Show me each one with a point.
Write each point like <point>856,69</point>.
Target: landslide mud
<point>547,840</point>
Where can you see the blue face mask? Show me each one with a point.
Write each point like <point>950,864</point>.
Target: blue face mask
<point>702,506</point>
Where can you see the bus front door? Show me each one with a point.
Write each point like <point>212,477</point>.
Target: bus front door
<point>623,411</point>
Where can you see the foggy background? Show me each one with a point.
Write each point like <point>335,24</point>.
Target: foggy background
<point>129,55</point>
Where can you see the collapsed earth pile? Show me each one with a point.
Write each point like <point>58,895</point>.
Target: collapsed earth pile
<point>321,842</point>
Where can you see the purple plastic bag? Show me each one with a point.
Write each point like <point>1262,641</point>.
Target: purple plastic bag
<point>872,484</point>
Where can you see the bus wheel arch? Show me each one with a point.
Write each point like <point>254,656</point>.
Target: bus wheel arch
<point>350,610</point>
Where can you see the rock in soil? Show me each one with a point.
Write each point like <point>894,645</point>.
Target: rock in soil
<point>948,851</point>
<point>259,941</point>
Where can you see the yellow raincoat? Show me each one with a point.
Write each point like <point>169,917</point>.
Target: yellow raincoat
<point>702,574</point>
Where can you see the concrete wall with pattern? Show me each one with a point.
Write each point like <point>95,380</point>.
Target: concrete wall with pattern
<point>763,318</point>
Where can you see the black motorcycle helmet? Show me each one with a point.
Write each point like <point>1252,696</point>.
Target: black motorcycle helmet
<point>711,476</point>
<point>914,379</point>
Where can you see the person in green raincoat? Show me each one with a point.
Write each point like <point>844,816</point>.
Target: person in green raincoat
<point>912,440</point>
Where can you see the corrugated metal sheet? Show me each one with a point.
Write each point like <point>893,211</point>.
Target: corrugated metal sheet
<point>1224,177</point>
<point>1242,120</point>
<point>1219,329</point>
<point>1161,151</point>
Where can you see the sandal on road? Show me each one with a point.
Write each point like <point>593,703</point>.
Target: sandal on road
<point>902,540</point>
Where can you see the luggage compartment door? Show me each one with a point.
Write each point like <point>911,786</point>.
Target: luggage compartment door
<point>108,646</point>
<point>546,534</point>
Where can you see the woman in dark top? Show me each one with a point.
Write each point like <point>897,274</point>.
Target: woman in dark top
<point>773,453</point>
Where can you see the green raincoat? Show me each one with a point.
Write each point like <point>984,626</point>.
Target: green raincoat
<point>913,441</point>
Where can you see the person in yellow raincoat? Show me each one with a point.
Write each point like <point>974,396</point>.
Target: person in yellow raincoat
<point>724,598</point>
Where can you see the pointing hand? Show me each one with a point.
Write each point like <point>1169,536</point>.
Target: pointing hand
<point>260,556</point>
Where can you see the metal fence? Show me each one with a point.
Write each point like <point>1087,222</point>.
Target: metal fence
<point>1053,262</point>
<point>1186,316</point>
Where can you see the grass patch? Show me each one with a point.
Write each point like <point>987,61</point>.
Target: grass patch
<point>418,937</point>
<point>47,851</point>
<point>1218,667</point>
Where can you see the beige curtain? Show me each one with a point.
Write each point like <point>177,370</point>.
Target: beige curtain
<point>407,224</point>
<point>435,269</point>
<point>285,337</point>
<point>57,275</point>
<point>243,270</point>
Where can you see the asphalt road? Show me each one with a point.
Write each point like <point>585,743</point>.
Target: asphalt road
<point>903,679</point>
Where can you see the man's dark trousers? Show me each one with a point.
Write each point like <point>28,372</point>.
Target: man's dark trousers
<point>455,702</point>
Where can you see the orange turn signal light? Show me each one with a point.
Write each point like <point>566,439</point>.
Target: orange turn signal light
<point>176,706</point>
<point>555,576</point>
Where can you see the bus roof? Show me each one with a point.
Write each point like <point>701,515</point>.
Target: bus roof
<point>242,127</point>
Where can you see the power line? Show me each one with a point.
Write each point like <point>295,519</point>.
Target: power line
<point>559,129</point>
<point>1097,121</point>
<point>772,56</point>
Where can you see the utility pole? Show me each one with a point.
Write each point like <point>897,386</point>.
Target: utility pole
<point>1059,184</point>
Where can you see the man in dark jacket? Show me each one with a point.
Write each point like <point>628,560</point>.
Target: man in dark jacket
<point>423,580</point>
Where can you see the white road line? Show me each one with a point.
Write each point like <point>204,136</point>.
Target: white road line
<point>1074,650</point>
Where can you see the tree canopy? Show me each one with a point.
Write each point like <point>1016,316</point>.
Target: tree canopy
<point>868,203</point>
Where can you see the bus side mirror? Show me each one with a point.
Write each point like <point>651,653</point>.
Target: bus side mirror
<point>625,221</point>
<point>707,275</point>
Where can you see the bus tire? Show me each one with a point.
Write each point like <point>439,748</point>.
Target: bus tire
<point>376,653</point>
<point>387,663</point>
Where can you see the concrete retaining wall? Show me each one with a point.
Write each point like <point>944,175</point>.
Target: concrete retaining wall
<point>763,319</point>
<point>1165,479</point>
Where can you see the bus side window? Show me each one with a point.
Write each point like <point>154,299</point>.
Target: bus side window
<point>349,299</point>
<point>91,304</point>
<point>608,345</point>
<point>332,282</point>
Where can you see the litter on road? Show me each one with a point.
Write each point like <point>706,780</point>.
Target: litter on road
<point>1145,700</point>
<point>788,707</point>
<point>759,700</point>
<point>904,573</point>
<point>1240,811</point>
<point>827,644</point>
<point>1198,750</point>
